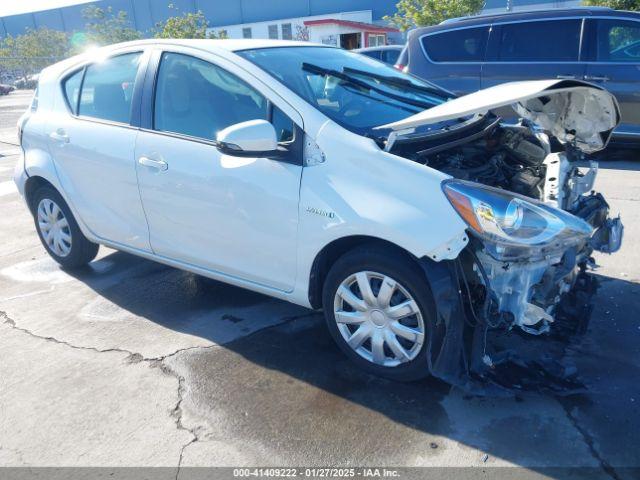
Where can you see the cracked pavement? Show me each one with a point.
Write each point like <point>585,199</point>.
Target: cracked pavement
<point>132,363</point>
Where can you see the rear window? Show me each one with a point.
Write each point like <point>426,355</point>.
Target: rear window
<point>463,45</point>
<point>543,41</point>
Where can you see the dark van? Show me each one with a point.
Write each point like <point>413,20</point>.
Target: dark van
<point>599,45</point>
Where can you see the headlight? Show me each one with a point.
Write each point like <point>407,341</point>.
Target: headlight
<point>510,222</point>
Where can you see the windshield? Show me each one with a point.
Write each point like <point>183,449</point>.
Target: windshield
<point>353,90</point>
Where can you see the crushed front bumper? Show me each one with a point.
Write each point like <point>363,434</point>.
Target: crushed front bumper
<point>550,296</point>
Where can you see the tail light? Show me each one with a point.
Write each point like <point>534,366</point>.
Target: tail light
<point>399,66</point>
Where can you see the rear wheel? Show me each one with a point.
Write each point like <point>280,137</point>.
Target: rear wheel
<point>379,310</point>
<point>59,231</point>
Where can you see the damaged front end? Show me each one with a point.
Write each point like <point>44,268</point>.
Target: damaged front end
<point>534,221</point>
<point>528,254</point>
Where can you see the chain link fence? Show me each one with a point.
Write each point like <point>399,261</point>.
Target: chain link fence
<point>22,72</point>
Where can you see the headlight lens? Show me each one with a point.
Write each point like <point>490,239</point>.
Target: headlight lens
<point>508,219</point>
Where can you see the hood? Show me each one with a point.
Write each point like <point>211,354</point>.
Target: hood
<point>573,111</point>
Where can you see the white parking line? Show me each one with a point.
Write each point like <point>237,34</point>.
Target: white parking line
<point>7,188</point>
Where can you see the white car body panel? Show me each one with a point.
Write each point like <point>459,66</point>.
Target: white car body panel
<point>587,111</point>
<point>237,215</point>
<point>358,184</point>
<point>98,157</point>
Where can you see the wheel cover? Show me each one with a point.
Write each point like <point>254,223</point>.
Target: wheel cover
<point>379,319</point>
<point>54,227</point>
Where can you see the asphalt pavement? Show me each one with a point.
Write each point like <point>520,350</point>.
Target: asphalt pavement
<point>132,363</point>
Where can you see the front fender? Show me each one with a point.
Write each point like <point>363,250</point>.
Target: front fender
<point>362,190</point>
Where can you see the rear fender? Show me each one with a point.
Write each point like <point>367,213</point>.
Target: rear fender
<point>39,163</point>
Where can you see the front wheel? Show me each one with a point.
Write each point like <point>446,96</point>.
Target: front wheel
<point>379,310</point>
<point>59,231</point>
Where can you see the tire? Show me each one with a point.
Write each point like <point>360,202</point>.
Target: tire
<point>62,239</point>
<point>378,266</point>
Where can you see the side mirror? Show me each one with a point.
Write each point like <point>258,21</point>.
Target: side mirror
<point>255,138</point>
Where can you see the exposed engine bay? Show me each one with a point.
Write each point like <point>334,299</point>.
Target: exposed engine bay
<point>526,287</point>
<point>508,157</point>
<point>527,261</point>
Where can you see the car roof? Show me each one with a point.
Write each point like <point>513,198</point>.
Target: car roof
<point>209,45</point>
<point>382,47</point>
<point>215,44</point>
<point>527,15</point>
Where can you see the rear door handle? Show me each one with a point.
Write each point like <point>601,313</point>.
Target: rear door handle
<point>596,78</point>
<point>566,77</point>
<point>151,163</point>
<point>59,136</point>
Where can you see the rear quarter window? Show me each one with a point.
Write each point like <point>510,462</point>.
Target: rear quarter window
<point>71,87</point>
<point>463,45</point>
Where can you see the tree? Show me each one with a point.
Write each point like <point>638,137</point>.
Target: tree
<point>616,4</point>
<point>418,13</point>
<point>34,50</point>
<point>187,25</point>
<point>104,27</point>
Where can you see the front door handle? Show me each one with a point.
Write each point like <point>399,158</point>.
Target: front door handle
<point>566,77</point>
<point>596,78</point>
<point>151,163</point>
<point>59,136</point>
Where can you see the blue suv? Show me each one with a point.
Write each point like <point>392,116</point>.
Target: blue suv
<point>598,45</point>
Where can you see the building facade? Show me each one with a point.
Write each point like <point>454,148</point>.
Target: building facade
<point>342,29</point>
<point>144,14</point>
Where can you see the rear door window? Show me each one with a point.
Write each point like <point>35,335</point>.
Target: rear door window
<point>618,41</point>
<point>541,41</point>
<point>107,88</point>
<point>462,45</point>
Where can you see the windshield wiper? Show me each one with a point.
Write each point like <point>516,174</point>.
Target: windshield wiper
<point>362,84</point>
<point>396,81</point>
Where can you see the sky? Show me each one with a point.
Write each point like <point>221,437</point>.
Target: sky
<point>10,7</point>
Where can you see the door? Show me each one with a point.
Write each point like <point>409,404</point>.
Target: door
<point>533,50</point>
<point>616,66</point>
<point>233,215</point>
<point>92,143</point>
<point>454,58</point>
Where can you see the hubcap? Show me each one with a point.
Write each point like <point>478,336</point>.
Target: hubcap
<point>379,319</point>
<point>54,227</point>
